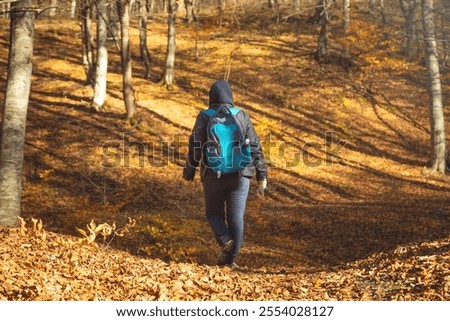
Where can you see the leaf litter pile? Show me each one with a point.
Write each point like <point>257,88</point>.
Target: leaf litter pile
<point>40,265</point>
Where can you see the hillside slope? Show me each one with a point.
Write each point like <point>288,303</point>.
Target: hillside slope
<point>348,213</point>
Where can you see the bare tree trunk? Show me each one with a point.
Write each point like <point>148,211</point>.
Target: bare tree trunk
<point>164,5</point>
<point>346,14</point>
<point>52,10</point>
<point>87,40</point>
<point>123,7</point>
<point>409,9</point>
<point>437,122</point>
<point>446,48</point>
<point>151,7</point>
<point>372,7</point>
<point>73,8</point>
<point>384,17</point>
<point>296,4</point>
<point>101,68</point>
<point>322,44</point>
<point>113,25</point>
<point>317,12</point>
<point>168,76</point>
<point>143,18</point>
<point>190,11</point>
<point>221,7</point>
<point>6,7</point>
<point>271,4</point>
<point>15,111</point>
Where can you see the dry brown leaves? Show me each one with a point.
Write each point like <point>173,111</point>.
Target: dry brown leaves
<point>36,265</point>
<point>305,100</point>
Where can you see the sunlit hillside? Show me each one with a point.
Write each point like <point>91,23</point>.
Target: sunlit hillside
<point>346,140</point>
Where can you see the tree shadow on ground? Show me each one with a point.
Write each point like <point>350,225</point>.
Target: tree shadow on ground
<point>326,236</point>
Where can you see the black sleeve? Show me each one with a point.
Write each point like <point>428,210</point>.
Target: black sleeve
<point>196,142</point>
<point>256,149</point>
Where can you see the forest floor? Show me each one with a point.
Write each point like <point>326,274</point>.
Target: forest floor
<point>348,213</point>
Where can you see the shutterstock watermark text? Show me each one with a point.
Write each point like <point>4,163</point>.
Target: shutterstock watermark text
<point>129,152</point>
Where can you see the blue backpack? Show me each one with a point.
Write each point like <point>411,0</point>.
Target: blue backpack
<point>227,150</point>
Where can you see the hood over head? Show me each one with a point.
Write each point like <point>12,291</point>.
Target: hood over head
<point>220,93</point>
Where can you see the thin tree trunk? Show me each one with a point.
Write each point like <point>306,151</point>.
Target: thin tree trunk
<point>169,71</point>
<point>190,11</point>
<point>221,7</point>
<point>384,18</point>
<point>132,6</point>
<point>87,40</point>
<point>113,25</point>
<point>346,14</point>
<point>409,9</point>
<point>151,7</point>
<point>15,110</point>
<point>273,4</point>
<point>164,5</point>
<point>73,8</point>
<point>437,122</point>
<point>444,18</point>
<point>123,7</point>
<point>372,7</point>
<point>322,43</point>
<point>276,6</point>
<point>143,18</point>
<point>317,12</point>
<point>101,68</point>
<point>52,10</point>
<point>6,8</point>
<point>196,45</point>
<point>296,4</point>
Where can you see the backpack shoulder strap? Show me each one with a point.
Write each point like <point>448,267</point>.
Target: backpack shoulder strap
<point>209,112</point>
<point>234,110</point>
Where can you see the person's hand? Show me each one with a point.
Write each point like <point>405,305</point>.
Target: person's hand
<point>188,175</point>
<point>262,185</point>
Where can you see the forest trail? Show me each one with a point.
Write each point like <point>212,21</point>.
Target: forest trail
<point>353,211</point>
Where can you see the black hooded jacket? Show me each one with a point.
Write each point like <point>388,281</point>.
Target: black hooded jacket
<point>221,94</point>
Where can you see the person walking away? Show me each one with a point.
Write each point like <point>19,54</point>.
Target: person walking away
<point>226,146</point>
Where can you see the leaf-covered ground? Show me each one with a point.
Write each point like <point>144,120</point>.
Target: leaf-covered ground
<point>359,222</point>
<point>37,265</point>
